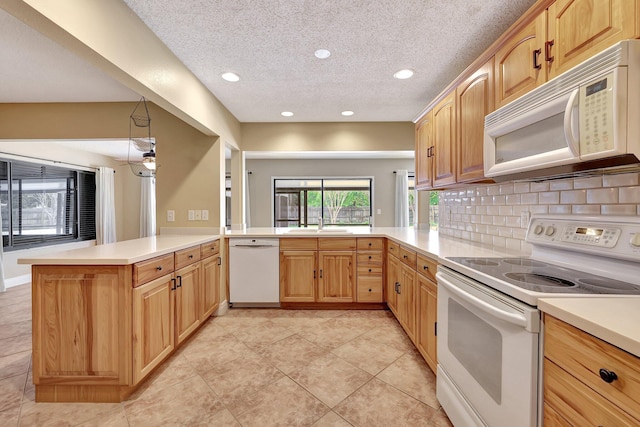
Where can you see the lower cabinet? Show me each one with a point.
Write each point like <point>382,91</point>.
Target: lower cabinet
<point>188,299</point>
<point>406,300</point>
<point>393,276</point>
<point>298,276</point>
<point>427,326</point>
<point>210,284</point>
<point>336,278</point>
<point>153,324</point>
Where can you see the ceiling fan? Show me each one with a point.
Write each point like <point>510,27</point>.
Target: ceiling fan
<point>139,118</point>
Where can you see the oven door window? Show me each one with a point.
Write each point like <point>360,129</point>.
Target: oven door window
<point>478,347</point>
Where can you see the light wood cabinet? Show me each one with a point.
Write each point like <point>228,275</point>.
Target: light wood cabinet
<point>578,29</point>
<point>427,320</point>
<point>393,278</point>
<point>474,100</point>
<point>370,276</point>
<point>188,299</point>
<point>401,286</point>
<point>519,63</point>
<point>574,388</point>
<point>444,136</point>
<point>153,324</point>
<point>336,278</point>
<point>298,276</point>
<point>210,283</point>
<point>98,330</point>
<point>424,150</point>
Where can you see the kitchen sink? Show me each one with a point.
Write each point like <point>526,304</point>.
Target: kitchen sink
<point>315,231</point>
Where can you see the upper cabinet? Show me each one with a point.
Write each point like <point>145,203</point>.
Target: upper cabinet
<point>578,29</point>
<point>549,39</point>
<point>474,100</point>
<point>520,62</point>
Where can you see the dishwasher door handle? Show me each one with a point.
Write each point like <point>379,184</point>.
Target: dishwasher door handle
<point>254,246</point>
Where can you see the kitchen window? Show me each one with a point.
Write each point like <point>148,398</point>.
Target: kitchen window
<point>299,202</point>
<point>45,205</point>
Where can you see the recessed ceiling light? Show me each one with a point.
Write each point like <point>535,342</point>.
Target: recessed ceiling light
<point>230,77</point>
<point>322,53</point>
<point>403,74</point>
<point>287,113</point>
<point>347,113</point>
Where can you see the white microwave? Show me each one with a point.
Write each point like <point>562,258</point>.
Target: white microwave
<point>586,118</point>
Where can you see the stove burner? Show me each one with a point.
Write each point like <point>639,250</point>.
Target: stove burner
<point>540,280</point>
<point>481,261</point>
<point>610,285</point>
<point>526,262</point>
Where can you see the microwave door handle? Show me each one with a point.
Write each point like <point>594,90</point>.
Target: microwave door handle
<point>572,141</point>
<point>518,320</point>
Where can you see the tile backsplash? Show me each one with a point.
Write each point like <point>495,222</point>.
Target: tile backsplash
<point>495,213</point>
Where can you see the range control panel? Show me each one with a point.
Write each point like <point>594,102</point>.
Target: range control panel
<point>617,236</point>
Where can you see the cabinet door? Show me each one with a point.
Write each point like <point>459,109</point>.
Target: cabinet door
<point>187,301</point>
<point>424,137</point>
<point>444,137</point>
<point>393,278</point>
<point>474,101</point>
<point>427,315</point>
<point>153,324</point>
<point>407,300</point>
<point>520,62</point>
<point>298,276</point>
<point>210,286</point>
<point>336,278</point>
<point>581,28</point>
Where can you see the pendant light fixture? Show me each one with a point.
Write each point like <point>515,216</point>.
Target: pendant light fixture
<point>140,141</point>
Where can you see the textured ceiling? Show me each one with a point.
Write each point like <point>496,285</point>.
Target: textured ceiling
<point>270,44</point>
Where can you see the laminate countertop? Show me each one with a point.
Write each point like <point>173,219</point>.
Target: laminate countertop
<point>426,242</point>
<point>120,253</point>
<point>613,319</point>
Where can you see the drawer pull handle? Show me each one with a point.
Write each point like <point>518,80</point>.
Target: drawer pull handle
<point>369,270</point>
<point>370,290</point>
<point>536,54</point>
<point>190,256</point>
<point>159,268</point>
<point>369,256</point>
<point>404,256</point>
<point>608,376</point>
<point>425,267</point>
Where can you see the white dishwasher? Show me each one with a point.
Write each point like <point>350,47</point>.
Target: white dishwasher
<point>254,272</point>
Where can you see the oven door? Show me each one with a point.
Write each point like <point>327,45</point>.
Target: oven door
<point>487,354</point>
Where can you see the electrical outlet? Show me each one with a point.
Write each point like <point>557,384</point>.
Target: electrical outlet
<point>198,215</point>
<point>379,211</point>
<point>191,215</point>
<point>525,216</point>
<point>205,214</point>
<point>171,216</point>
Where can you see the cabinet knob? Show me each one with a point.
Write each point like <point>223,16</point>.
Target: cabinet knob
<point>370,290</point>
<point>369,270</point>
<point>425,267</point>
<point>369,256</point>
<point>404,256</point>
<point>159,268</point>
<point>369,243</point>
<point>190,256</point>
<point>608,376</point>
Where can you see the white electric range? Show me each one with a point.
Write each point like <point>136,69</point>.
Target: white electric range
<point>488,324</point>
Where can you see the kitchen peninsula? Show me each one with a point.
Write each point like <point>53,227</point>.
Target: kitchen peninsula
<point>104,317</point>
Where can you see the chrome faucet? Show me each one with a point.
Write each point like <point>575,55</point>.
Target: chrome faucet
<point>320,223</point>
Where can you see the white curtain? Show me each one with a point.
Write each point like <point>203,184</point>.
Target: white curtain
<point>147,207</point>
<point>402,198</point>
<point>105,206</point>
<point>247,200</point>
<point>2,286</point>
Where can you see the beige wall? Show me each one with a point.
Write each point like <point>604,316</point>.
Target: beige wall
<point>380,136</point>
<point>380,169</point>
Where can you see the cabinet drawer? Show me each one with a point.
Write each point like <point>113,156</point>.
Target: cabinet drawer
<point>337,243</point>
<point>578,404</point>
<point>151,269</point>
<point>369,258</point>
<point>369,270</point>
<point>299,244</point>
<point>369,289</point>
<point>187,256</point>
<point>427,267</point>
<point>370,243</point>
<point>408,257</point>
<point>583,355</point>
<point>209,248</point>
<point>393,248</point>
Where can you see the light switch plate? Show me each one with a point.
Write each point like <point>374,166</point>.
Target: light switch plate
<point>379,211</point>
<point>205,214</point>
<point>191,215</point>
<point>198,215</point>
<point>171,216</point>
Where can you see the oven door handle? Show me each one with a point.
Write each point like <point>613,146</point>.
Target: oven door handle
<point>512,318</point>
